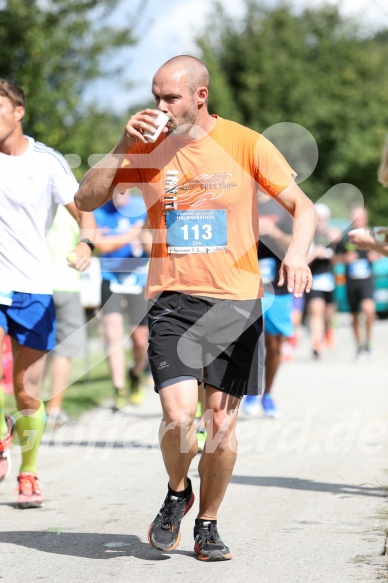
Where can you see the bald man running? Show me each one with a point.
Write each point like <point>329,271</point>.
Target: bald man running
<point>199,181</point>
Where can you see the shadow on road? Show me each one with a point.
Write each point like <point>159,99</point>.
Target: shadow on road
<point>300,484</point>
<point>133,444</point>
<point>85,544</point>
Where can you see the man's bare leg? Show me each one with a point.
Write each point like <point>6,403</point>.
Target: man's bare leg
<point>178,443</point>
<point>356,329</point>
<point>273,359</point>
<point>113,325</point>
<point>177,434</point>
<point>220,453</point>
<point>369,309</point>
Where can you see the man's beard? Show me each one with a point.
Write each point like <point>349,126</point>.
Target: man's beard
<point>186,123</point>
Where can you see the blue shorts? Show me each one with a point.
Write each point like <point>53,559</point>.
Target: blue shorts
<point>277,314</point>
<point>30,320</point>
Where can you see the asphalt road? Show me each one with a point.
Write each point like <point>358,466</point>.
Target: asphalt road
<point>307,500</point>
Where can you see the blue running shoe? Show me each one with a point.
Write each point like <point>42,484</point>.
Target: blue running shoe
<point>269,407</point>
<point>251,405</point>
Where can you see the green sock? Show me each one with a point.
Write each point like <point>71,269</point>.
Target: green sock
<point>3,425</point>
<point>30,429</point>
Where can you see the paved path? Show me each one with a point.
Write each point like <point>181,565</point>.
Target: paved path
<point>306,501</point>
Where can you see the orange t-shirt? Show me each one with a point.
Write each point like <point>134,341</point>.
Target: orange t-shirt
<point>201,199</point>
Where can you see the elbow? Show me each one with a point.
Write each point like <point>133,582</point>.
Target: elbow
<point>78,201</point>
<point>83,203</point>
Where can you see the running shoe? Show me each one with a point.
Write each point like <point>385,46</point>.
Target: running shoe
<point>56,418</point>
<point>5,454</point>
<point>201,438</point>
<point>119,399</point>
<point>317,349</point>
<point>330,337</point>
<point>251,405</point>
<point>360,353</point>
<point>269,407</point>
<point>30,493</point>
<point>369,352</point>
<point>136,394</point>
<point>208,544</point>
<point>164,532</point>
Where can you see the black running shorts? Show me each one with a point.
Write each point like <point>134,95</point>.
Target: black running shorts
<point>327,296</point>
<point>358,290</point>
<point>217,341</point>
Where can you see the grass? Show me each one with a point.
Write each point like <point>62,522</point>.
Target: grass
<point>88,391</point>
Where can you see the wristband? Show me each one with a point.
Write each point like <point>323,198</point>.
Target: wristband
<point>88,243</point>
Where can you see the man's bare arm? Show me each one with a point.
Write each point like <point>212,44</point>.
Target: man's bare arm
<point>366,242</point>
<point>294,269</point>
<point>96,187</point>
<point>109,243</point>
<point>80,257</point>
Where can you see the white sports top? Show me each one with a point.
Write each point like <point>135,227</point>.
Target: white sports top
<point>31,187</point>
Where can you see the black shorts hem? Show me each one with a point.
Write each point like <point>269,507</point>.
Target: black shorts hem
<point>221,340</point>
<point>224,390</point>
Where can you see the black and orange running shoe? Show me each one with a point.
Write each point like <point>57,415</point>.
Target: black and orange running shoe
<point>164,532</point>
<point>207,542</point>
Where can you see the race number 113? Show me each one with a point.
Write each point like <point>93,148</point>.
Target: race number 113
<point>206,232</point>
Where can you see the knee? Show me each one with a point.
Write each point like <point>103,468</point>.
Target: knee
<point>24,401</point>
<point>272,346</point>
<point>113,327</point>
<point>140,343</point>
<point>113,336</point>
<point>369,309</point>
<point>176,424</point>
<point>221,426</point>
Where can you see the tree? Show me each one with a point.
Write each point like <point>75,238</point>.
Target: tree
<point>54,49</point>
<point>317,69</point>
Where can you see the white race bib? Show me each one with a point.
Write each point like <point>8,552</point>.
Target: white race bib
<point>324,282</point>
<point>196,231</point>
<point>130,283</point>
<point>268,269</point>
<point>360,269</point>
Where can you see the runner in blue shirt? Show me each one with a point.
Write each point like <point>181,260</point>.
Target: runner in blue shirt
<point>124,266</point>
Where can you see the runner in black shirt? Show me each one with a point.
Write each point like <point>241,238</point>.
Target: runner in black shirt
<point>359,283</point>
<point>320,304</point>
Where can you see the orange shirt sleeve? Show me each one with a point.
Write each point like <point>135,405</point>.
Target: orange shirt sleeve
<point>274,172</point>
<point>137,168</point>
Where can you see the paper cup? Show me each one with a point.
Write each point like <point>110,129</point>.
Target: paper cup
<point>161,120</point>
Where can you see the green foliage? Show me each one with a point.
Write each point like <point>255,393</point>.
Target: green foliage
<point>315,68</point>
<point>54,50</point>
